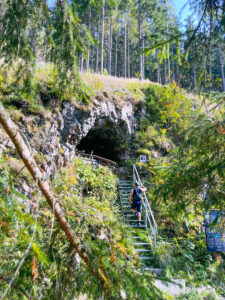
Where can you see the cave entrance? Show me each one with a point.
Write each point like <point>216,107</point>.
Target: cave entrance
<point>102,142</point>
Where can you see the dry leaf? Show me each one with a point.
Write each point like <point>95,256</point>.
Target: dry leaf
<point>34,268</point>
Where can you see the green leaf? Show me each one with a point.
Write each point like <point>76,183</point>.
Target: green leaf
<point>40,254</point>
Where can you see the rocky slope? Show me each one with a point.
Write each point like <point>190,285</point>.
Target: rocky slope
<point>55,135</point>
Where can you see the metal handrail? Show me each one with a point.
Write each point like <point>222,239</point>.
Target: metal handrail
<point>149,217</point>
<point>97,158</point>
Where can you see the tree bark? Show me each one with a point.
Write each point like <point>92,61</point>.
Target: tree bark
<point>128,49</point>
<point>125,46</point>
<point>82,62</point>
<point>92,59</point>
<point>21,147</point>
<point>132,63</point>
<point>116,55</point>
<point>89,29</point>
<point>102,37</point>
<point>158,68</point>
<point>222,67</point>
<point>97,48</point>
<point>143,59</point>
<point>165,72</point>
<point>110,48</point>
<point>173,68</point>
<point>139,40</point>
<point>169,76</point>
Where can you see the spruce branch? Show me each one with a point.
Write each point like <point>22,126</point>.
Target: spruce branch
<point>24,152</point>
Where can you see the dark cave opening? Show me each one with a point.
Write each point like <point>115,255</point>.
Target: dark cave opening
<point>102,142</point>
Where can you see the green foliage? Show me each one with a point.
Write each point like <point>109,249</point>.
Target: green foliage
<point>52,269</point>
<point>168,105</point>
<point>185,177</point>
<point>64,38</point>
<point>136,88</point>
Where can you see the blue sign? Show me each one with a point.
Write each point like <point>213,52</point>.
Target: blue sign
<point>214,230</point>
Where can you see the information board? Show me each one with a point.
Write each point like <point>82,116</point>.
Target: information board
<point>143,158</point>
<point>214,230</point>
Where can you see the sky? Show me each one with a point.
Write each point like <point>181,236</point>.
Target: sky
<point>182,11</point>
<point>179,4</point>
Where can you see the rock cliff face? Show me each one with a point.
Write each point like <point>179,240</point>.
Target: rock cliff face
<point>55,137</point>
<point>77,123</point>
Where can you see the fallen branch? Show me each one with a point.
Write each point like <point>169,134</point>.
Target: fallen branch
<point>14,285</point>
<point>30,164</point>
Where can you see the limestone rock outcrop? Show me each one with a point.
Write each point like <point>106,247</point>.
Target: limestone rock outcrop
<point>54,137</point>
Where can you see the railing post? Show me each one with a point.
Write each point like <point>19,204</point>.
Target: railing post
<point>146,219</point>
<point>155,233</point>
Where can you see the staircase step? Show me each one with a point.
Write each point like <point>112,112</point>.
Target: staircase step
<point>142,250</point>
<point>136,237</point>
<point>132,221</point>
<point>146,257</point>
<point>123,185</point>
<point>136,226</point>
<point>125,180</point>
<point>153,270</point>
<point>140,244</point>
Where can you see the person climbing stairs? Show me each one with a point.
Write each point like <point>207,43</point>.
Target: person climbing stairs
<point>138,233</point>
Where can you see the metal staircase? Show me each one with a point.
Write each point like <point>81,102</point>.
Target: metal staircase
<point>148,225</point>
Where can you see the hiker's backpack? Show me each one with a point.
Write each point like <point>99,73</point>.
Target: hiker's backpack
<point>137,194</point>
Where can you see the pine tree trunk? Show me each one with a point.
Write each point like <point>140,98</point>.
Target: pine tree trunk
<point>149,68</point>
<point>128,50</point>
<point>221,67</point>
<point>82,62</point>
<point>125,47</point>
<point>158,68</point>
<point>139,40</point>
<point>165,72</point>
<point>92,59</point>
<point>132,63</point>
<point>110,48</point>
<point>89,29</point>
<point>102,37</point>
<point>169,79</point>
<point>34,41</point>
<point>143,60</point>
<point>116,55</point>
<point>173,68</point>
<point>97,48</point>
